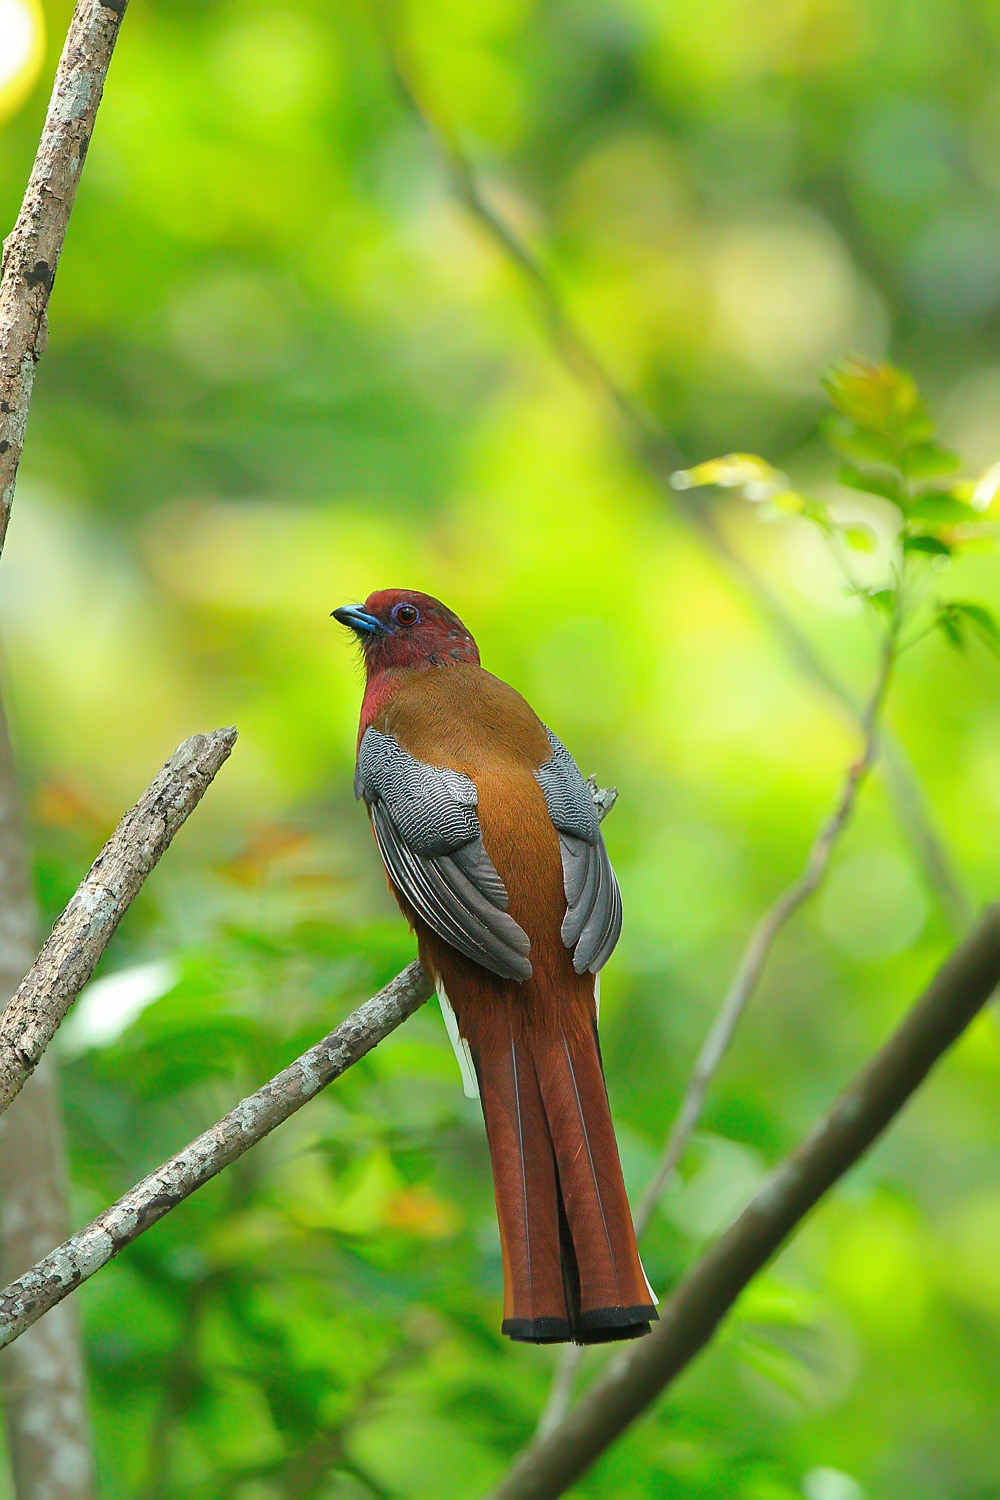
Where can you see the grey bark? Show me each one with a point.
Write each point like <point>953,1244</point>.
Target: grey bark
<point>33,247</point>
<point>42,1380</point>
<point>84,930</point>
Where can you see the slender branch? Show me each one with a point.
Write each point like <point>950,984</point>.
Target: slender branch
<point>82,933</point>
<point>569,1360</point>
<point>689,1319</point>
<point>762,939</point>
<point>43,1378</point>
<point>917,821</point>
<point>738,996</point>
<point>33,247</point>
<point>655,451</point>
<point>85,1252</point>
<point>571,344</point>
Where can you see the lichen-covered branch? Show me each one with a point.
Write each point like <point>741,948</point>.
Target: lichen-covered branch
<point>82,933</point>
<point>33,247</point>
<point>92,1247</point>
<point>690,1317</point>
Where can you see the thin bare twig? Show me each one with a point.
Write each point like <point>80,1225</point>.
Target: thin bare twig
<point>33,247</point>
<point>656,451</point>
<point>738,996</point>
<point>762,939</point>
<point>689,1319</point>
<point>82,933</point>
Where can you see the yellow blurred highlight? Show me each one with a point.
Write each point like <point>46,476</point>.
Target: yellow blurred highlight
<point>22,48</point>
<point>877,1269</point>
<point>355,1203</point>
<point>736,471</point>
<point>419,1212</point>
<point>788,299</point>
<point>987,488</point>
<point>728,41</point>
<point>971,1265</point>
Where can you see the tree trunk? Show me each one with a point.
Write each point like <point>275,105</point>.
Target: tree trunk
<point>42,1384</point>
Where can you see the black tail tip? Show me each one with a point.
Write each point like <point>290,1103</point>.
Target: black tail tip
<point>538,1330</point>
<point>601,1325</point>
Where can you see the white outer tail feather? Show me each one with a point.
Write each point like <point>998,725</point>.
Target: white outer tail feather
<point>462,1050</point>
<point>460,1046</point>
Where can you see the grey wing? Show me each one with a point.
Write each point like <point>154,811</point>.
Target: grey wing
<point>428,834</point>
<point>593,920</point>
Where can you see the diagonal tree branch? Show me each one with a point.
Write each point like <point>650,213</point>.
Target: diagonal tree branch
<point>651,440</point>
<point>82,933</point>
<point>33,247</point>
<point>689,1319</point>
<point>255,1117</point>
<point>655,450</point>
<point>762,940</point>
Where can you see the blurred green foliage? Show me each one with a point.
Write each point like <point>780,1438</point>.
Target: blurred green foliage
<point>284,369</point>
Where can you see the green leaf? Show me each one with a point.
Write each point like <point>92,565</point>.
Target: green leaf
<point>879,398</point>
<point>859,446</point>
<point>982,617</point>
<point>883,599</point>
<point>818,514</point>
<point>926,460</point>
<point>873,484</point>
<point>949,625</point>
<point>979,619</point>
<point>940,507</point>
<point>931,545</point>
<point>861,538</point>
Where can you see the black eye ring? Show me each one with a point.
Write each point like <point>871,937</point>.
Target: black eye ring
<point>406,614</point>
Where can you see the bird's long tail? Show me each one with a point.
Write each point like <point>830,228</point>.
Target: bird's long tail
<point>571,1266</point>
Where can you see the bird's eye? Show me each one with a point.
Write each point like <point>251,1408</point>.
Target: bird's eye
<point>406,614</point>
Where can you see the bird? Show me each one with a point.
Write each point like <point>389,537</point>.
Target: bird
<point>492,848</point>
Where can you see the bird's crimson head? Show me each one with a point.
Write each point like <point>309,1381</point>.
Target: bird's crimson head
<point>401,628</point>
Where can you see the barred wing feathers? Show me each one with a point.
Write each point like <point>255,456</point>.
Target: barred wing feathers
<point>427,829</point>
<point>593,920</point>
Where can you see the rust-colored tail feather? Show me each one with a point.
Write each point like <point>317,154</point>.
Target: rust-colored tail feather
<point>571,1266</point>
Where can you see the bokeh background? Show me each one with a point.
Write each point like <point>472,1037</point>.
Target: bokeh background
<point>285,368</point>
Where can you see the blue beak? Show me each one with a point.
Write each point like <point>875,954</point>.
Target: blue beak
<point>358,619</point>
